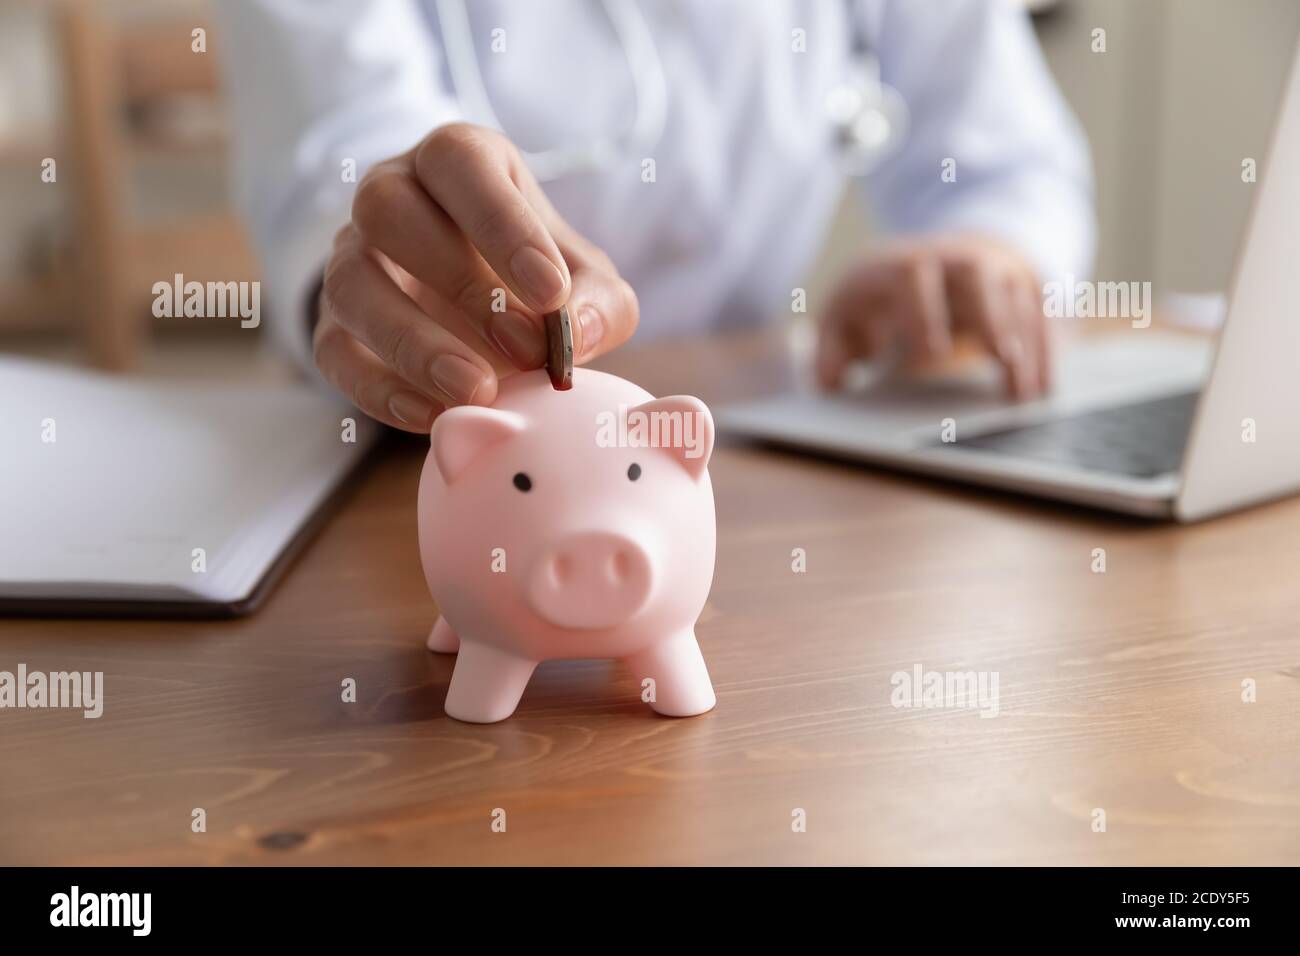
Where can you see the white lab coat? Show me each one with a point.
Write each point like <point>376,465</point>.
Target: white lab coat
<point>746,177</point>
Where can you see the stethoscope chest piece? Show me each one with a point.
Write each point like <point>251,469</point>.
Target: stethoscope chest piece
<point>869,118</point>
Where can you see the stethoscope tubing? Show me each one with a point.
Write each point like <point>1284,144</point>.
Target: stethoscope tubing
<point>650,86</point>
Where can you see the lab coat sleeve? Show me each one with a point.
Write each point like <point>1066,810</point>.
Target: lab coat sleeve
<point>318,91</point>
<point>980,94</point>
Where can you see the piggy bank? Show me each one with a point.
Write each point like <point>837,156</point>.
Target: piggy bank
<point>569,524</point>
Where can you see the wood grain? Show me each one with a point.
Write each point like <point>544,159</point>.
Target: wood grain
<point>1119,691</point>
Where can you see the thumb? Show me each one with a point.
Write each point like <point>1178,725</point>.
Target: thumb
<point>604,310</point>
<point>602,305</point>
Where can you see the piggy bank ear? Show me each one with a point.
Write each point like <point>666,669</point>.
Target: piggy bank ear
<point>679,424</point>
<point>463,433</point>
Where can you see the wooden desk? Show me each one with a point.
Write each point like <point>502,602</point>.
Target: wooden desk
<point>1120,691</point>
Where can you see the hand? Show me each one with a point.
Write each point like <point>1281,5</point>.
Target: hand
<point>439,235</point>
<point>921,293</point>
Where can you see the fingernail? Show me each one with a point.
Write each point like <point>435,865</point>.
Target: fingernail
<point>592,328</point>
<point>458,379</point>
<point>411,408</point>
<point>538,277</point>
<point>520,339</point>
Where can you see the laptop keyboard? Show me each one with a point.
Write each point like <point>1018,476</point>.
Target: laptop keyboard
<point>1142,440</point>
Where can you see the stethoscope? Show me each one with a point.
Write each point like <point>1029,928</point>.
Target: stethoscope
<point>868,117</point>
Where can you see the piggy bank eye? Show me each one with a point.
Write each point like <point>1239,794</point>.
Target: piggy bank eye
<point>633,471</point>
<point>523,482</point>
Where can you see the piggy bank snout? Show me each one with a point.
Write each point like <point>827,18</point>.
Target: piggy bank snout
<point>590,580</point>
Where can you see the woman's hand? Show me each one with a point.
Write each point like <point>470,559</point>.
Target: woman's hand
<point>438,284</point>
<point>921,293</point>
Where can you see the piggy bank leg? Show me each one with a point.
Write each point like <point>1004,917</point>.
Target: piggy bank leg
<point>486,684</point>
<point>442,638</point>
<point>681,681</point>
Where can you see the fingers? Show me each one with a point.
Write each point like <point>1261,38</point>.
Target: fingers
<point>363,300</point>
<point>604,311</point>
<point>923,291</point>
<point>1043,339</point>
<point>458,207</point>
<point>471,174</point>
<point>898,297</point>
<point>451,244</point>
<point>1035,332</point>
<point>602,305</point>
<point>923,305</point>
<point>359,374</point>
<point>838,344</point>
<point>985,304</point>
<point>857,324</point>
<point>393,213</point>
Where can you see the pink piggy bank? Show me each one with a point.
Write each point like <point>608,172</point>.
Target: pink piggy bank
<point>569,524</point>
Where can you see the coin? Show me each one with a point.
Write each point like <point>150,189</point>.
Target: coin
<point>559,348</point>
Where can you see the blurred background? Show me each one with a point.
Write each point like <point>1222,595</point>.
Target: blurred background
<point>113,92</point>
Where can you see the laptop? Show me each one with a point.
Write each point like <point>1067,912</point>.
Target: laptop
<point>1142,421</point>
